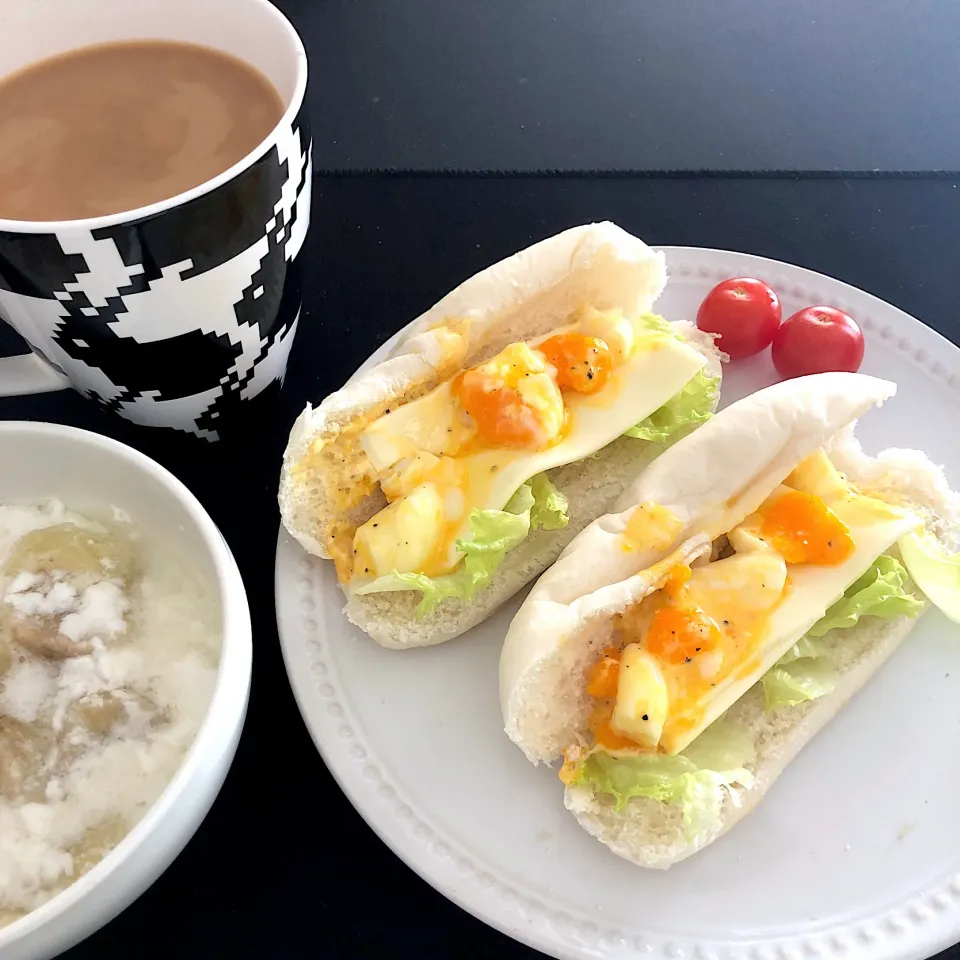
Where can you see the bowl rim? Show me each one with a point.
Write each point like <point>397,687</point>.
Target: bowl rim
<point>230,693</point>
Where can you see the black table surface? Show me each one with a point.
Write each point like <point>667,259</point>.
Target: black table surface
<point>633,84</point>
<point>283,866</point>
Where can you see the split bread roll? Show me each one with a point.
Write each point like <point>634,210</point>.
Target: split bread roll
<point>343,457</point>
<point>722,490</point>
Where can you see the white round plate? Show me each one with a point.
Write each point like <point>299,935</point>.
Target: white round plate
<point>854,853</point>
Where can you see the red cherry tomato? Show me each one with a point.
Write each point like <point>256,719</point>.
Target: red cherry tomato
<point>746,314</point>
<point>817,340</point>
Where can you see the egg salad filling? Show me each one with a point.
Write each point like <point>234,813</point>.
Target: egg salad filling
<point>464,468</point>
<point>814,558</point>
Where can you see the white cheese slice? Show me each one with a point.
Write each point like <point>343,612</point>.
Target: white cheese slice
<point>658,369</point>
<point>811,591</point>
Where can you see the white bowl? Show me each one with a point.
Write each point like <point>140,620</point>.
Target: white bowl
<point>86,470</point>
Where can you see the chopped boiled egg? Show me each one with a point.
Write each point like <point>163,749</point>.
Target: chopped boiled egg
<point>401,537</point>
<point>678,633</point>
<point>411,472</point>
<point>743,539</point>
<point>819,476</point>
<point>431,424</point>
<point>802,528</point>
<point>610,326</point>
<point>651,527</point>
<point>429,501</point>
<point>513,399</point>
<point>752,581</point>
<point>642,701</point>
<point>582,363</point>
<point>715,628</point>
<point>463,421</point>
<point>752,639</point>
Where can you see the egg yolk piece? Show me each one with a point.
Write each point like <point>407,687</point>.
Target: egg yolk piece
<point>513,399</point>
<point>612,327</point>
<point>603,676</point>
<point>803,529</point>
<point>678,634</point>
<point>583,363</point>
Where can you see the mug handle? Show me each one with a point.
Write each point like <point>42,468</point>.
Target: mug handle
<point>28,374</point>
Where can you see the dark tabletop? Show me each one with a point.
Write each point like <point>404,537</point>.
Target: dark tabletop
<point>283,866</point>
<point>633,84</point>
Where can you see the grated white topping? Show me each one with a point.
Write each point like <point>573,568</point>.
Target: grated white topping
<point>148,652</point>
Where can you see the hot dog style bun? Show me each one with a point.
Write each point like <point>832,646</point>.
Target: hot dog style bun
<point>685,647</point>
<point>444,478</point>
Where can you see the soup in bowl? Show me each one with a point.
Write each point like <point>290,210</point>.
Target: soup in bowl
<point>125,659</point>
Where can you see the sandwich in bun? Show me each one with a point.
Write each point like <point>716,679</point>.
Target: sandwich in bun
<point>512,413</point>
<point>685,647</point>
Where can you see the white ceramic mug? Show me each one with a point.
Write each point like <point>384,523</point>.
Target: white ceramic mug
<point>178,313</point>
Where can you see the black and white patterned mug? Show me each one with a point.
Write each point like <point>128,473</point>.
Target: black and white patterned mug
<point>179,313</point>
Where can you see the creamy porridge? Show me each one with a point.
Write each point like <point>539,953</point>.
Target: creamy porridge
<point>109,646</point>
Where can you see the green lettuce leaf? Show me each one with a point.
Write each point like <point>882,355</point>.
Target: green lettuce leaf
<point>795,681</point>
<point>934,570</point>
<point>654,323</point>
<point>880,592</point>
<point>549,509</point>
<point>722,746</point>
<point>805,671</point>
<point>696,779</point>
<point>537,503</point>
<point>806,646</point>
<point>693,405</point>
